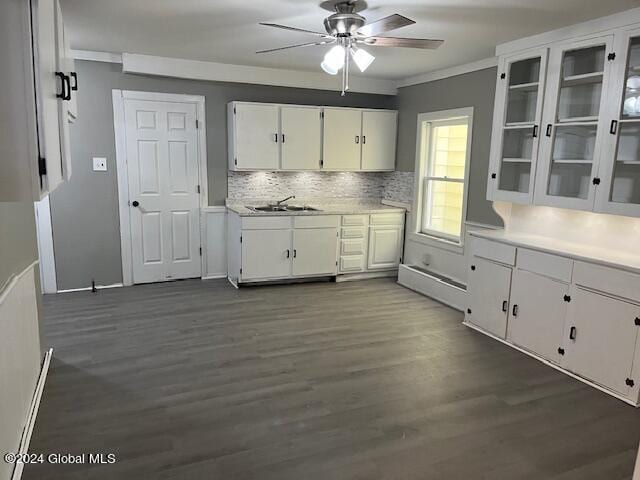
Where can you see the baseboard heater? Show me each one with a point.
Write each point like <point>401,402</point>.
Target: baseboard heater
<point>434,285</point>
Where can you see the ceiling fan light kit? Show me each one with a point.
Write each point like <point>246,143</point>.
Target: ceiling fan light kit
<point>348,29</point>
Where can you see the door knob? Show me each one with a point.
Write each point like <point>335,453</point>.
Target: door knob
<point>135,203</point>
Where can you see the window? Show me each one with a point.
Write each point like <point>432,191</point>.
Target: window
<point>443,167</point>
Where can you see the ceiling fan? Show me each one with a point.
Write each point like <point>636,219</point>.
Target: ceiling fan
<point>348,31</point>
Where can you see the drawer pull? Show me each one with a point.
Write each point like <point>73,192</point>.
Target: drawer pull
<point>572,333</point>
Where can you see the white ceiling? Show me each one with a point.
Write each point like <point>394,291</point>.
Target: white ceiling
<point>228,31</point>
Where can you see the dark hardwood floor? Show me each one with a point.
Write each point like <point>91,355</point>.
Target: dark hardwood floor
<point>362,380</point>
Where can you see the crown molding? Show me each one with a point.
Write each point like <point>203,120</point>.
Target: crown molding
<point>448,72</point>
<point>223,72</point>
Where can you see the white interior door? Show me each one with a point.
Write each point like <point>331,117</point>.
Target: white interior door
<point>315,251</point>
<point>162,167</point>
<point>342,131</point>
<point>537,313</point>
<point>257,138</point>
<point>301,138</point>
<point>379,140</point>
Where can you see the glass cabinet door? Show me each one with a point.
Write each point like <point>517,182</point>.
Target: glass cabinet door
<point>522,87</point>
<point>578,76</point>
<point>620,192</point>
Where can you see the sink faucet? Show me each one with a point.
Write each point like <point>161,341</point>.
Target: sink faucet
<point>280,202</point>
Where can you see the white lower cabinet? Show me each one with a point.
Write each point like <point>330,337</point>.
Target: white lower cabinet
<point>385,245</point>
<point>266,254</point>
<point>314,251</point>
<point>600,340</point>
<point>537,313</point>
<point>488,294</point>
<point>581,316</point>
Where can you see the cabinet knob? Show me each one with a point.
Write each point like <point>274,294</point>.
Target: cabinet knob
<point>135,203</point>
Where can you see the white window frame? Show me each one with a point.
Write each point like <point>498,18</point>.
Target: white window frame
<point>423,149</point>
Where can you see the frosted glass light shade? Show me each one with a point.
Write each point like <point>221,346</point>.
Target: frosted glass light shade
<point>333,60</point>
<point>362,58</point>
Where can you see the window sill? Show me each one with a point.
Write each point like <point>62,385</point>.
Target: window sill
<point>437,242</point>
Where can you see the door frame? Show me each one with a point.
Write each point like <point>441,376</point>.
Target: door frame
<point>119,125</point>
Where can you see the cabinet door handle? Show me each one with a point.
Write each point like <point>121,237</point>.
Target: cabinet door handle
<point>295,253</point>
<point>614,127</point>
<point>288,253</point>
<point>67,80</point>
<point>357,138</point>
<point>275,137</point>
<point>282,137</point>
<point>549,128</point>
<point>364,139</point>
<point>63,86</point>
<point>572,333</point>
<point>74,75</point>
<point>505,306</point>
<point>535,131</point>
<point>515,311</point>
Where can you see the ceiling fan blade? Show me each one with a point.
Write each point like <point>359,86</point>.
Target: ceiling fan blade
<point>293,29</point>
<point>385,24</point>
<point>402,42</point>
<point>309,44</point>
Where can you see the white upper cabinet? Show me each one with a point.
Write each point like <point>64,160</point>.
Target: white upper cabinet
<point>35,143</point>
<point>518,106</point>
<point>301,137</point>
<point>575,123</point>
<point>254,142</point>
<point>274,137</point>
<point>620,169</point>
<point>566,129</point>
<point>379,140</point>
<point>341,142</point>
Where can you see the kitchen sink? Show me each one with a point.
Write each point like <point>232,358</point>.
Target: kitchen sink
<point>283,208</point>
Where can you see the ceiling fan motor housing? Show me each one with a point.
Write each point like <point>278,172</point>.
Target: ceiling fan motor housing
<point>344,24</point>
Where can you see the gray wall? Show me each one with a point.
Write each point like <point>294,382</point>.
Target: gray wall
<point>18,244</point>
<point>85,209</point>
<point>475,89</point>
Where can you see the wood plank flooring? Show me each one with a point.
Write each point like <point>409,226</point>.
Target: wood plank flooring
<point>361,380</point>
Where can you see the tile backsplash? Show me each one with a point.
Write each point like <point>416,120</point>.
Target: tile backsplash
<point>397,186</point>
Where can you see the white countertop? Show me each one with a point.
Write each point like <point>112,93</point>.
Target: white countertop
<point>577,251</point>
<point>329,208</point>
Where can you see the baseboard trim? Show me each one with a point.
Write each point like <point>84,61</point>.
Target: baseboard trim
<point>33,413</point>
<point>432,287</point>
<point>552,365</point>
<point>88,289</point>
<point>352,277</point>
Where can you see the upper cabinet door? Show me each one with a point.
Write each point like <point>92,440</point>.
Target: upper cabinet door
<point>62,61</point>
<point>70,68</point>
<point>341,142</point>
<point>619,192</point>
<point>575,127</point>
<point>379,140</point>
<point>518,107</point>
<point>301,137</point>
<point>50,86</point>
<point>257,136</point>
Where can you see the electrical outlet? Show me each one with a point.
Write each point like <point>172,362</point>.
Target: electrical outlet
<point>99,164</point>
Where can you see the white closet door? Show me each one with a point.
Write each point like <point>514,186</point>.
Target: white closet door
<point>162,161</point>
<point>341,143</point>
<point>301,138</point>
<point>257,138</point>
<point>379,140</point>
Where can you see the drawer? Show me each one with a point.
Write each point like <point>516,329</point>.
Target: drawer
<point>387,219</point>
<point>607,280</point>
<point>545,264</point>
<point>496,251</point>
<point>316,221</point>
<point>354,232</point>
<point>348,220</point>
<point>352,247</point>
<point>352,263</point>
<point>266,223</point>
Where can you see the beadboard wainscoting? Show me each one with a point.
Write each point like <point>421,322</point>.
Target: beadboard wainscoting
<point>395,186</point>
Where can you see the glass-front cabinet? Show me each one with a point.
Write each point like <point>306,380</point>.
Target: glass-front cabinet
<point>575,124</point>
<point>519,96</point>
<point>619,192</point>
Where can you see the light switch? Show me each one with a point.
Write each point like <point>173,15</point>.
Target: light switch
<point>99,164</point>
